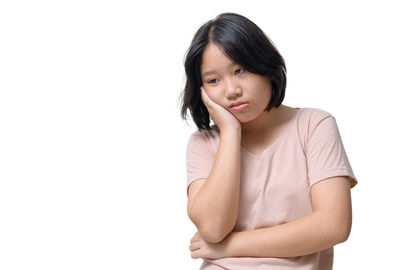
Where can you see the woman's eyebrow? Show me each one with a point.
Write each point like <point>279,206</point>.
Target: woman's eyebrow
<point>209,72</point>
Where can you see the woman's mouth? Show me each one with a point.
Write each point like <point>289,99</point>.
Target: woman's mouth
<point>239,107</point>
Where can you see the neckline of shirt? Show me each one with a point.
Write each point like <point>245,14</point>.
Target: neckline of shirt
<point>276,142</point>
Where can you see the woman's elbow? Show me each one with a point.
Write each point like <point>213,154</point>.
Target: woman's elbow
<point>342,231</point>
<point>213,231</point>
<point>213,234</point>
<point>344,235</point>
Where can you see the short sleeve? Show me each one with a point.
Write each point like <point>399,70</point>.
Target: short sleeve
<point>326,156</point>
<point>199,157</point>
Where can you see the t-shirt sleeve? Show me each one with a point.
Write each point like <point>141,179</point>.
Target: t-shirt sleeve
<point>326,156</point>
<point>199,158</point>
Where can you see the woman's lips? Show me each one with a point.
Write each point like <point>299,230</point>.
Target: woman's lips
<point>240,107</point>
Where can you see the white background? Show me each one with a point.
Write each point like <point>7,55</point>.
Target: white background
<point>92,146</point>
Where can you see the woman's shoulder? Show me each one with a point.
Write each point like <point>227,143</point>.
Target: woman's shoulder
<point>213,132</point>
<point>313,115</point>
<point>315,111</point>
<point>311,119</point>
<point>207,138</point>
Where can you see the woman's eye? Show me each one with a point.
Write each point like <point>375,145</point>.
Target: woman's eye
<point>212,81</point>
<point>239,70</point>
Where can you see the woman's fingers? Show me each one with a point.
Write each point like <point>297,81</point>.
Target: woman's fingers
<point>212,107</point>
<point>210,104</point>
<point>194,246</point>
<point>207,101</point>
<point>194,242</point>
<point>196,254</point>
<point>195,237</point>
<point>220,115</point>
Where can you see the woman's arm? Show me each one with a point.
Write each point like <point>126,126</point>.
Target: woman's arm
<point>213,202</point>
<point>328,225</point>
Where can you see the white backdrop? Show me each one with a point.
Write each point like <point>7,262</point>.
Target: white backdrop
<point>92,147</point>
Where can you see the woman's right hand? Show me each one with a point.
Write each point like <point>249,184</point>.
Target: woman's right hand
<point>223,118</point>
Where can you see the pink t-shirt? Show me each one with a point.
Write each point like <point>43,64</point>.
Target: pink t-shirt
<point>275,185</point>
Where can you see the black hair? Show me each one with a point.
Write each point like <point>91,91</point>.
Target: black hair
<point>246,45</point>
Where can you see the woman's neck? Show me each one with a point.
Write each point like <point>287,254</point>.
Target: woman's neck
<point>264,122</point>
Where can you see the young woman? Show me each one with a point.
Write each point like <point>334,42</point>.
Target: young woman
<point>268,184</point>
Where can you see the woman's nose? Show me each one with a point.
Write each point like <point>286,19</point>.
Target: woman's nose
<point>232,89</point>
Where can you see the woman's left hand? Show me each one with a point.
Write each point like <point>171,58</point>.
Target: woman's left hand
<point>201,249</point>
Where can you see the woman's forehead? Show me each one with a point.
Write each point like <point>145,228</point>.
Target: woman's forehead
<point>214,60</point>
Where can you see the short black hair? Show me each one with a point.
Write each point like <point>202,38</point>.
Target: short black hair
<point>246,45</point>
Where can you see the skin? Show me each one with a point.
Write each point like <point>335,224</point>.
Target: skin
<point>224,84</point>
<point>328,225</point>
<point>229,83</point>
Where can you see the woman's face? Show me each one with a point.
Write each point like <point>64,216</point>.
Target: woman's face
<point>228,83</point>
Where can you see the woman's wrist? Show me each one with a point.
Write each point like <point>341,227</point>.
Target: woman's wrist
<point>232,131</point>
<point>230,245</point>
